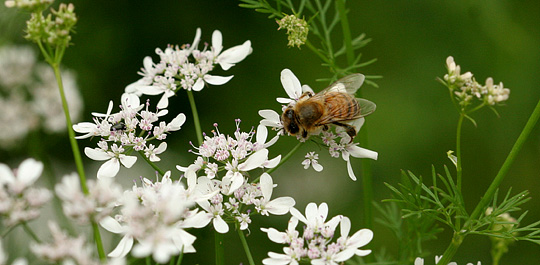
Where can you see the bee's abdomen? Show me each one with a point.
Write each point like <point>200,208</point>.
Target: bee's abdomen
<point>342,106</point>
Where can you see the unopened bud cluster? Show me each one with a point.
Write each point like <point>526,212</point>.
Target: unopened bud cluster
<point>467,90</point>
<point>53,29</point>
<point>297,30</point>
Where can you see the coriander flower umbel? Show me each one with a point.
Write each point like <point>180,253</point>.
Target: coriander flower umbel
<point>19,201</point>
<point>237,154</point>
<point>132,128</point>
<point>156,216</point>
<point>316,244</point>
<point>187,67</point>
<point>238,207</point>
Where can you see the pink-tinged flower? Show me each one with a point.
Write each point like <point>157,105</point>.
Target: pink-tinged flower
<point>311,160</point>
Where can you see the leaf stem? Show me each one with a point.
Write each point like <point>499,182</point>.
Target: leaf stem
<point>457,239</point>
<point>459,170</point>
<point>286,157</point>
<point>245,245</point>
<point>219,248</point>
<point>195,117</point>
<point>30,232</point>
<point>152,164</point>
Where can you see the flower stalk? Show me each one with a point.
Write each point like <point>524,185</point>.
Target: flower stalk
<point>245,245</point>
<point>196,121</point>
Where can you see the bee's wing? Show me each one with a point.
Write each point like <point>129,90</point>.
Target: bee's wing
<point>365,107</point>
<point>348,84</point>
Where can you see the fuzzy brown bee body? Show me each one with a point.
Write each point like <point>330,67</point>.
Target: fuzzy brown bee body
<point>334,105</point>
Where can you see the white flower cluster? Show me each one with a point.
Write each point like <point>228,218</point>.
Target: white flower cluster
<point>156,215</point>
<point>30,5</point>
<point>237,154</point>
<point>466,88</point>
<point>420,261</point>
<point>186,67</point>
<point>234,197</point>
<point>67,250</point>
<point>19,202</point>
<point>315,244</point>
<point>338,142</point>
<point>102,196</point>
<point>29,97</point>
<point>129,129</point>
<point>236,207</point>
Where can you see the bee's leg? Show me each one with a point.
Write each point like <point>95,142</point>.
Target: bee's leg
<point>350,130</point>
<point>304,134</point>
<point>325,127</point>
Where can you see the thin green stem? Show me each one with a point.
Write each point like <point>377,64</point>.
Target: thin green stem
<point>71,133</point>
<point>219,248</point>
<point>180,257</point>
<point>195,117</point>
<point>347,39</point>
<point>488,196</point>
<point>286,157</point>
<point>152,164</point>
<point>458,150</point>
<point>77,155</point>
<point>30,232</point>
<point>148,261</point>
<point>245,245</point>
<point>6,232</point>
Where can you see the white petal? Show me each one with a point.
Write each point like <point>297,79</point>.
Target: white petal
<point>344,255</point>
<point>298,215</point>
<point>350,170</point>
<point>220,225</point>
<point>123,247</point>
<point>275,236</point>
<point>234,55</point>
<point>161,148</point>
<point>177,122</point>
<point>262,133</point>
<point>272,163</point>
<point>361,253</point>
<point>318,167</point>
<point>109,109</point>
<point>196,40</point>
<point>419,261</point>
<point>163,102</point>
<point>199,85</point>
<point>361,238</point>
<point>236,181</point>
<point>149,90</point>
<point>217,80</point>
<point>110,224</point>
<point>6,175</point>
<point>284,100</point>
<point>29,171</point>
<point>130,100</point>
<point>360,152</point>
<point>199,220</point>
<point>217,41</point>
<point>345,226</point>
<point>280,206</point>
<point>255,160</point>
<point>184,240</point>
<point>109,169</point>
<point>267,186</point>
<point>291,84</point>
<point>96,154</point>
<point>323,210</point>
<point>128,161</point>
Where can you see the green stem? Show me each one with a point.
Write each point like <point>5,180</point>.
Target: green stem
<point>180,257</point>
<point>195,117</point>
<point>71,133</point>
<point>77,155</point>
<point>488,196</point>
<point>219,248</point>
<point>30,232</point>
<point>152,164</point>
<point>347,39</point>
<point>245,245</point>
<point>6,232</point>
<point>285,158</point>
<point>458,150</point>
<point>457,239</point>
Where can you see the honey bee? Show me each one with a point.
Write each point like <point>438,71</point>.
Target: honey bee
<point>335,104</point>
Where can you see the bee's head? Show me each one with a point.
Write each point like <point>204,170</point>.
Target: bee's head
<point>289,119</point>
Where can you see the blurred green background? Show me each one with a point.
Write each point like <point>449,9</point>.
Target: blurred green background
<point>412,129</point>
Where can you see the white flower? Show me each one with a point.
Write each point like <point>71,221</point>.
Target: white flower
<point>289,257</point>
<point>311,160</point>
<point>420,261</point>
<point>151,152</point>
<point>24,177</point>
<point>231,56</point>
<point>271,119</point>
<point>278,206</point>
<point>114,157</point>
